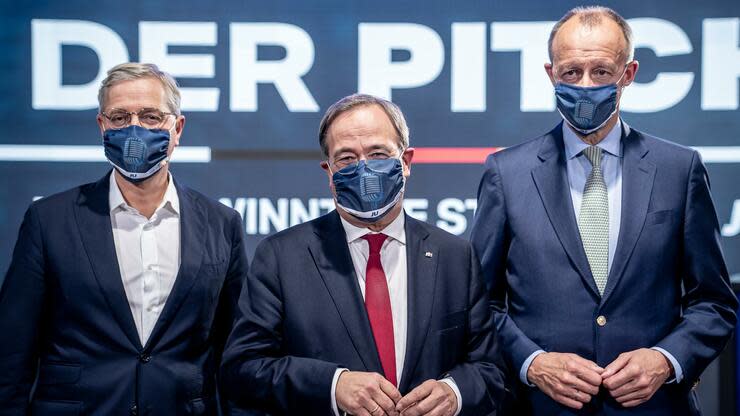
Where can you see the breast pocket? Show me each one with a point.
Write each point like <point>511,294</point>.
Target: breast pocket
<point>665,216</point>
<point>453,320</point>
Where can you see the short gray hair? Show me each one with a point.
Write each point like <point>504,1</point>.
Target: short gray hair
<point>134,70</point>
<point>355,100</point>
<point>590,16</point>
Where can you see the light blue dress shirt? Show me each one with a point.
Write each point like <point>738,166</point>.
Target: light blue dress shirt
<point>579,167</point>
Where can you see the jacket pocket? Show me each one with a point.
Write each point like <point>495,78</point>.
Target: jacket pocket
<point>659,217</point>
<point>453,320</point>
<point>55,408</point>
<point>58,373</point>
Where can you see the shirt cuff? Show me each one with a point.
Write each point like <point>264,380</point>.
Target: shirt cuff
<point>525,367</point>
<point>334,407</point>
<point>451,382</point>
<point>677,371</point>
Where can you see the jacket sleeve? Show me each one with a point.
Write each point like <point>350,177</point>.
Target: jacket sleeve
<point>236,275</point>
<point>490,238</point>
<point>256,372</point>
<point>480,376</point>
<point>708,302</point>
<point>21,306</point>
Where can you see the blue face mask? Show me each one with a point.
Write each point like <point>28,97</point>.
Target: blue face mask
<point>136,152</point>
<point>369,189</point>
<point>586,109</point>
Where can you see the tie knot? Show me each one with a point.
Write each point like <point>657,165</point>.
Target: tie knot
<point>375,241</point>
<point>593,154</point>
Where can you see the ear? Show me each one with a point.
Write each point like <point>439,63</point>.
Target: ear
<point>548,69</point>
<point>100,121</point>
<point>179,127</point>
<point>325,166</point>
<point>630,72</point>
<point>407,156</point>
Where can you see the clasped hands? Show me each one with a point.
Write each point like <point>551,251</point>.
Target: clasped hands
<point>631,379</point>
<point>370,394</point>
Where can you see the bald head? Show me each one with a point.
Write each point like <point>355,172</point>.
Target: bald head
<point>584,20</point>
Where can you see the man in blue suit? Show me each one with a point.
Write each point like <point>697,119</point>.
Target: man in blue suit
<point>121,293</point>
<point>364,310</point>
<point>600,246</point>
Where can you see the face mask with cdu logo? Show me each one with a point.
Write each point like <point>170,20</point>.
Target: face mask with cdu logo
<point>369,189</point>
<point>137,153</point>
<point>586,109</point>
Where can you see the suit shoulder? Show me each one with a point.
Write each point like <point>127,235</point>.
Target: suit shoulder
<point>213,206</point>
<point>516,156</point>
<point>666,151</point>
<point>297,233</point>
<point>441,236</point>
<point>60,200</point>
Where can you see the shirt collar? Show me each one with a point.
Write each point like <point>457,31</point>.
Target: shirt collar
<point>394,230</point>
<point>170,199</point>
<point>611,144</point>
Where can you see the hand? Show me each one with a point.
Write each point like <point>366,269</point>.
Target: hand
<point>567,378</point>
<point>635,376</point>
<point>432,397</point>
<point>366,394</point>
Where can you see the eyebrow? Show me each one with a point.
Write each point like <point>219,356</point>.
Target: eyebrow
<point>350,150</point>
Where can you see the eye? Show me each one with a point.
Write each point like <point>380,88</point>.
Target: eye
<point>378,155</point>
<point>345,160</point>
<point>151,117</point>
<point>570,75</point>
<point>602,73</point>
<point>118,118</point>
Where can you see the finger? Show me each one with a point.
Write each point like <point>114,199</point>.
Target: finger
<point>588,375</point>
<point>625,389</point>
<point>386,404</point>
<point>428,404</point>
<point>587,364</point>
<point>361,412</point>
<point>416,395</point>
<point>573,382</point>
<point>636,402</point>
<point>639,394</point>
<point>367,405</point>
<point>615,366</point>
<point>567,401</point>
<point>390,390</point>
<point>628,373</point>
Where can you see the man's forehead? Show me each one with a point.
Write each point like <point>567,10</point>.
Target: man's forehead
<point>140,93</point>
<point>576,38</point>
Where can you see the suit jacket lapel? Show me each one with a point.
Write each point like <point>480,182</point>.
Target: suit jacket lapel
<point>551,180</point>
<point>334,263</point>
<point>637,185</point>
<point>93,220</point>
<point>422,277</point>
<point>193,220</point>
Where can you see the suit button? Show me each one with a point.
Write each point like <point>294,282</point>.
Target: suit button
<point>144,358</point>
<point>601,320</point>
<point>134,410</point>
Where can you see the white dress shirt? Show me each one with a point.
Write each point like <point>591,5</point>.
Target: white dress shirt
<point>393,260</point>
<point>148,252</point>
<point>579,168</point>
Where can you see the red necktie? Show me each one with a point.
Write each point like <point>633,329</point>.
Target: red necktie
<point>378,305</point>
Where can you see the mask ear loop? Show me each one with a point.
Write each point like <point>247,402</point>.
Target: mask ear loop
<point>622,87</point>
<point>166,160</point>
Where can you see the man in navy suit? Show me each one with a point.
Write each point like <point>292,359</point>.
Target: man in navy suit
<point>600,246</point>
<point>364,310</point>
<point>121,293</point>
